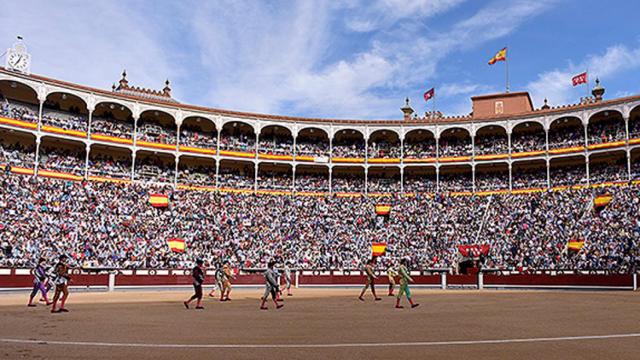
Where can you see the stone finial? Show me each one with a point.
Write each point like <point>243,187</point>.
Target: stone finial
<point>598,91</point>
<point>406,109</point>
<point>167,89</point>
<point>546,105</point>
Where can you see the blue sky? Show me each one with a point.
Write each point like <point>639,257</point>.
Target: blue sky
<point>344,59</point>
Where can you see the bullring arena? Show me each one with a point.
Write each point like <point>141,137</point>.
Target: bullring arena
<point>574,323</point>
<point>516,228</point>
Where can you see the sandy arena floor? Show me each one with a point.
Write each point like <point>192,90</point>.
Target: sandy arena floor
<point>327,324</point>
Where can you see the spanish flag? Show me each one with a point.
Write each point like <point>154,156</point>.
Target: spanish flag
<point>500,56</point>
<point>601,201</point>
<point>176,245</point>
<point>575,244</point>
<point>158,200</point>
<point>378,249</point>
<point>383,209</point>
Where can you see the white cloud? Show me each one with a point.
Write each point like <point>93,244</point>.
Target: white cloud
<point>88,43</point>
<point>384,13</point>
<point>279,66</point>
<point>555,85</point>
<point>256,56</point>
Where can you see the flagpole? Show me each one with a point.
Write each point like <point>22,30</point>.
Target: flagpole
<point>587,72</point>
<point>506,63</point>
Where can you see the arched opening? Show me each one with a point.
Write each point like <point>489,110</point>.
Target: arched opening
<point>110,161</point>
<point>236,174</point>
<point>276,140</point>
<point>529,175</point>
<point>384,144</point>
<point>348,179</point>
<point>383,179</point>
<point>199,132</point>
<point>348,143</point>
<point>112,119</point>
<point>634,123</point>
<point>635,164</point>
<point>155,167</point>
<point>420,179</point>
<point>17,148</point>
<point>492,177</point>
<point>312,142</point>
<point>566,132</point>
<point>272,176</point>
<point>606,126</point>
<point>237,136</point>
<point>195,170</point>
<point>455,142</point>
<point>606,167</point>
<point>491,139</point>
<point>19,101</point>
<point>312,178</point>
<point>62,155</point>
<point>65,111</point>
<point>157,127</point>
<point>568,171</point>
<point>456,178</point>
<point>528,136</point>
<point>419,144</point>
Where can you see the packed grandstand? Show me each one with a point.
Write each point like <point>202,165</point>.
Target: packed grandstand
<point>81,164</point>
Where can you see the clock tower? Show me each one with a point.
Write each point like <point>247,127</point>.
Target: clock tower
<point>18,59</point>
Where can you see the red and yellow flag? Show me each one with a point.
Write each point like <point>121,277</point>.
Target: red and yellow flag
<point>176,245</point>
<point>601,201</point>
<point>575,244</point>
<point>159,200</point>
<point>383,209</point>
<point>500,56</point>
<point>378,249</point>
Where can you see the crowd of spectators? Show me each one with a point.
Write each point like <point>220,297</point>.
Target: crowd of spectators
<point>105,165</point>
<point>350,183</point>
<point>109,126</point>
<point>420,150</point>
<point>17,154</point>
<point>312,182</point>
<point>419,184</point>
<point>349,150</point>
<point>308,148</point>
<point>69,119</point>
<point>565,137</point>
<point>528,141</point>
<point>568,175</point>
<point>488,181</point>
<point>275,145</point>
<point>152,132</point>
<point>154,170</point>
<point>62,160</point>
<point>113,225</point>
<point>18,110</point>
<point>606,131</point>
<point>384,150</point>
<point>234,179</point>
<point>242,142</point>
<point>275,180</point>
<point>197,138</point>
<point>456,182</point>
<point>529,178</point>
<point>491,144</point>
<point>198,175</point>
<point>454,146</point>
<point>383,184</point>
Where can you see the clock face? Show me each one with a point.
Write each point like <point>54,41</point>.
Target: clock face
<point>18,61</point>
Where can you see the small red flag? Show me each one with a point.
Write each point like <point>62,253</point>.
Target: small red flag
<point>579,79</point>
<point>429,94</point>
